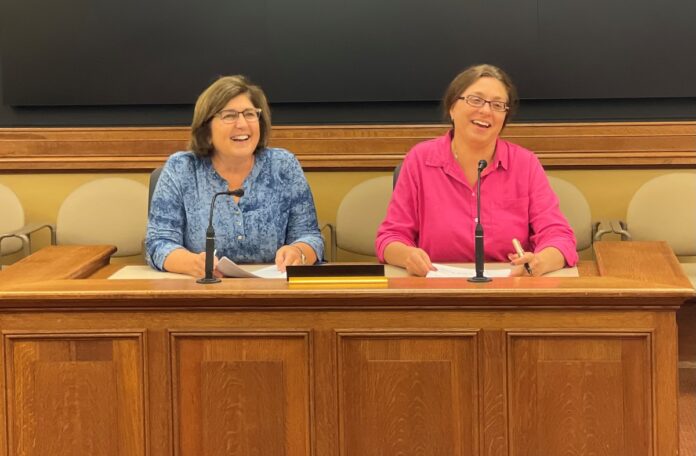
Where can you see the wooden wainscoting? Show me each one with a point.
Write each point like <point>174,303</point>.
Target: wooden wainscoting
<point>85,391</point>
<point>541,366</point>
<point>408,393</point>
<point>598,385</point>
<point>251,384</point>
<point>351,147</point>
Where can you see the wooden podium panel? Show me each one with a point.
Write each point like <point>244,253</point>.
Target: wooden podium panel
<point>241,394</point>
<point>589,393</point>
<point>518,366</point>
<point>408,393</point>
<point>75,394</point>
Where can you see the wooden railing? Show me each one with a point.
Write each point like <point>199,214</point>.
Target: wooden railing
<point>351,148</point>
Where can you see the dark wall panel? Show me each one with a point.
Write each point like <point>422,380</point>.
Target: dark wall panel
<point>134,62</point>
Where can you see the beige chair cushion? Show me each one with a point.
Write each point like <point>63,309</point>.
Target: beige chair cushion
<point>11,218</point>
<point>690,271</point>
<point>664,209</point>
<point>576,209</point>
<point>105,211</point>
<point>360,213</point>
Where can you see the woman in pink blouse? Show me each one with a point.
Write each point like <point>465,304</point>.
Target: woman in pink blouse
<point>432,213</point>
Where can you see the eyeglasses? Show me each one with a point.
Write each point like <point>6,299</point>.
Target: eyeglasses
<point>477,102</point>
<point>230,116</point>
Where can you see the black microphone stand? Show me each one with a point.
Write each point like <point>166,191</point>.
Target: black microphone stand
<point>478,233</point>
<point>210,238</point>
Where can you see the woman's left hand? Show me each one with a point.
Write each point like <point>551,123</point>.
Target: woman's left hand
<point>517,262</point>
<point>287,255</point>
<point>546,260</point>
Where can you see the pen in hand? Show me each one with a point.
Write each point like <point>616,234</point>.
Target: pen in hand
<point>520,252</point>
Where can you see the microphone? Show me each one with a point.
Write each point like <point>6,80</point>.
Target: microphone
<point>210,238</point>
<point>478,232</point>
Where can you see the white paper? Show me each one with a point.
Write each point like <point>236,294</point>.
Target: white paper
<point>231,269</point>
<point>453,271</point>
<point>270,272</point>
<point>132,271</point>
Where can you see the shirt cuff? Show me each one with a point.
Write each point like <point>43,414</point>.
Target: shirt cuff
<point>160,253</point>
<point>317,244</point>
<point>567,250</point>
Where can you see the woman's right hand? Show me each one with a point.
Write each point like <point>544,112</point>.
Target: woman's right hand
<point>418,262</point>
<point>414,260</point>
<point>199,265</point>
<point>184,262</point>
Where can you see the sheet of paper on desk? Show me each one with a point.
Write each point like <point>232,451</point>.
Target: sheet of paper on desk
<point>135,271</point>
<point>231,269</point>
<point>453,271</point>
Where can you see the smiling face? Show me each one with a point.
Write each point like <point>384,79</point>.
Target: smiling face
<point>239,139</point>
<point>480,125</point>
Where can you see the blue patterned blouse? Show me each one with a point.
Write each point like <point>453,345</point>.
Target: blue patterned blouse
<point>277,209</point>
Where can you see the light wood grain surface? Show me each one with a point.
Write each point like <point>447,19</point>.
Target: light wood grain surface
<point>519,366</point>
<point>351,147</point>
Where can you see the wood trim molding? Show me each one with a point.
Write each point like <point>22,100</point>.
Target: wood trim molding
<point>351,147</point>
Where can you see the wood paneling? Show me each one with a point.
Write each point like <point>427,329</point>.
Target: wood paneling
<point>241,394</point>
<point>494,410</point>
<point>524,366</point>
<point>645,261</point>
<point>408,394</point>
<point>591,394</point>
<point>75,394</point>
<point>243,380</point>
<point>350,147</point>
<point>59,262</point>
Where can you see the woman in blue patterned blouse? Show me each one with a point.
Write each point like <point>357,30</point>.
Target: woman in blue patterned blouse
<point>274,222</point>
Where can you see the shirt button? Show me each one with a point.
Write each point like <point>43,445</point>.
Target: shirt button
<point>240,237</point>
<point>473,194</point>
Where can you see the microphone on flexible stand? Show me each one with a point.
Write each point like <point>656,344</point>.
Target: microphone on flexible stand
<point>478,233</point>
<point>210,238</point>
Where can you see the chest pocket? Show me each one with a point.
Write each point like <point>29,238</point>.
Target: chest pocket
<point>512,214</point>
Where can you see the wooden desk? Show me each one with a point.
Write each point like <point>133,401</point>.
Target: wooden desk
<point>519,366</point>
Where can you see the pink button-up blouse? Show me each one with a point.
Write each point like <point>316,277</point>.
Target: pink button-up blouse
<point>434,208</point>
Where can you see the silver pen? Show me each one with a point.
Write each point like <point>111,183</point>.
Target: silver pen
<point>518,248</point>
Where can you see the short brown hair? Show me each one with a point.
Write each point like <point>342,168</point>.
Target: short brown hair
<point>215,98</point>
<point>472,74</point>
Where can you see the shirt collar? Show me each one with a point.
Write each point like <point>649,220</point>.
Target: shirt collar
<point>259,159</point>
<point>443,152</point>
<point>502,154</point>
<point>444,158</point>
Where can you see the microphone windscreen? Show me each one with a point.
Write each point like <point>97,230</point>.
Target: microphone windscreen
<point>482,165</point>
